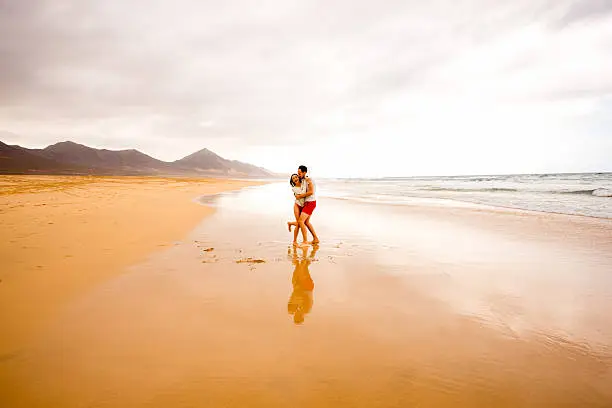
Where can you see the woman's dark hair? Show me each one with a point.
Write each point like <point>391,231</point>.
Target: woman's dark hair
<point>291,180</point>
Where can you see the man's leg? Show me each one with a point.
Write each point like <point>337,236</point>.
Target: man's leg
<point>315,239</point>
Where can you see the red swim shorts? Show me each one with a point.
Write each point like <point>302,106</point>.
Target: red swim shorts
<point>309,207</point>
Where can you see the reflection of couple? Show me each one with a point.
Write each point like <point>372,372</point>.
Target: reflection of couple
<point>305,202</point>
<point>300,301</point>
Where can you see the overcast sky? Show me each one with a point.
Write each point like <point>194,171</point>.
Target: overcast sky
<point>348,87</point>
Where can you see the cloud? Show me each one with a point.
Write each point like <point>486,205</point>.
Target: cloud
<point>585,10</point>
<point>264,84</point>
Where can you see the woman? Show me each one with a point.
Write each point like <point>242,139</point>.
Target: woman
<point>298,187</point>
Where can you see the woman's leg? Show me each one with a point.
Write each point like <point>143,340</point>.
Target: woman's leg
<point>296,212</point>
<point>302,224</point>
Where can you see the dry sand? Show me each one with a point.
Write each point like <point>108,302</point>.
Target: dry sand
<point>60,235</point>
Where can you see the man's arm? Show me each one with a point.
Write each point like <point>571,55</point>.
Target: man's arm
<point>308,191</point>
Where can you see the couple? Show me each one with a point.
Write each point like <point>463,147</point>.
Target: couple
<point>305,202</point>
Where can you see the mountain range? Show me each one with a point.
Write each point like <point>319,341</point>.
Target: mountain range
<point>73,158</point>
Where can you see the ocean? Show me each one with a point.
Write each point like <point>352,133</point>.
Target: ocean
<point>586,194</point>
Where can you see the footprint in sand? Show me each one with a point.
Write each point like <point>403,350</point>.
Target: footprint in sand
<point>211,258</point>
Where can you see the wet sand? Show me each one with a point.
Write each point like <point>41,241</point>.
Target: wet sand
<point>62,235</point>
<point>419,305</point>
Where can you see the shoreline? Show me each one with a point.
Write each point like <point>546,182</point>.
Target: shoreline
<point>66,234</point>
<point>555,222</point>
<point>455,202</point>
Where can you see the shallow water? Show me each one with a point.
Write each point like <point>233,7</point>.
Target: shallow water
<point>397,307</point>
<point>587,194</point>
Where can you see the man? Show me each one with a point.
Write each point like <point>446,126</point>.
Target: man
<point>310,203</point>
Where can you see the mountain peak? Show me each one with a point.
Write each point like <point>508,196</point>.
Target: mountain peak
<point>66,145</point>
<point>204,152</point>
<point>204,159</point>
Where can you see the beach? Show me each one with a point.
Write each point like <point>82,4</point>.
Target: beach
<point>428,304</point>
<point>64,234</point>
